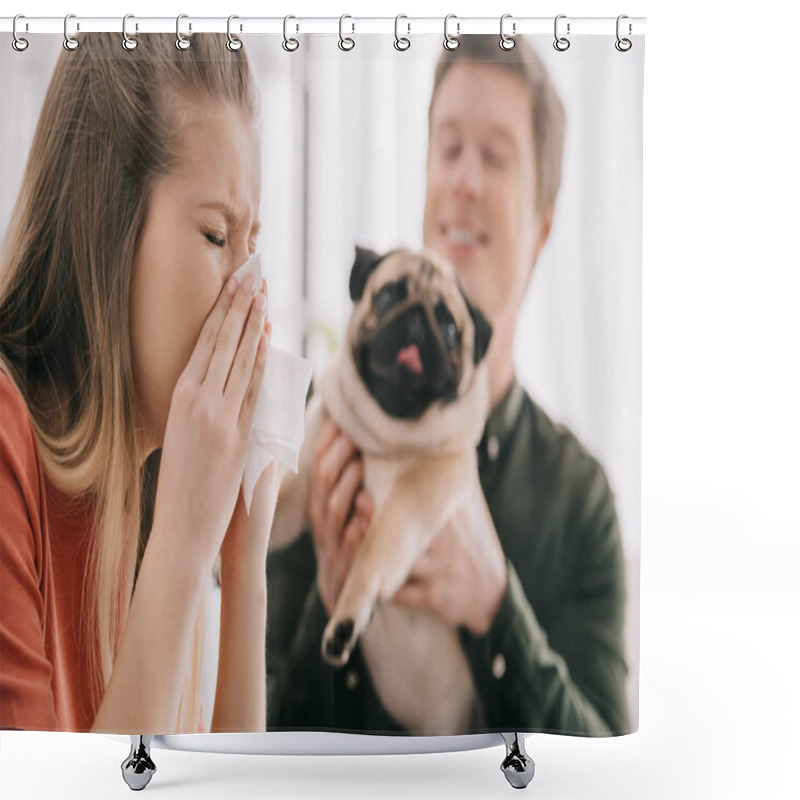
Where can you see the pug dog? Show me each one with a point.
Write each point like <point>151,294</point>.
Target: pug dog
<point>410,388</point>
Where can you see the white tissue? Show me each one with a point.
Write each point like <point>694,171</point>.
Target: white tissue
<point>279,416</point>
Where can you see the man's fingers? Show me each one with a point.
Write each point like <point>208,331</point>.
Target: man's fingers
<point>352,537</point>
<point>334,459</point>
<point>364,503</point>
<point>324,438</point>
<point>327,471</point>
<point>411,593</point>
<point>326,474</point>
<point>340,500</point>
<point>422,569</point>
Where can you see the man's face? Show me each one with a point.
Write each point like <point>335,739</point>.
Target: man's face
<point>480,208</point>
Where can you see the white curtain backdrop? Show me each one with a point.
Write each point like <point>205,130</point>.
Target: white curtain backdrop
<point>344,144</point>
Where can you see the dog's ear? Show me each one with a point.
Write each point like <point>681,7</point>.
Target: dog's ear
<point>483,330</point>
<point>365,263</point>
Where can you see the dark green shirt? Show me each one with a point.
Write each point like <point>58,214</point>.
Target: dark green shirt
<point>553,660</point>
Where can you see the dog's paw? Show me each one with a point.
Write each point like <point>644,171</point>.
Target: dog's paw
<point>337,644</point>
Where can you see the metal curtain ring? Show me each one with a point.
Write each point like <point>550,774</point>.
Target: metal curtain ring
<point>128,42</point>
<point>506,42</point>
<point>18,43</point>
<point>561,43</point>
<point>70,42</point>
<point>401,42</point>
<point>345,42</point>
<point>234,42</point>
<point>182,43</point>
<point>289,44</point>
<point>623,45</point>
<point>451,42</point>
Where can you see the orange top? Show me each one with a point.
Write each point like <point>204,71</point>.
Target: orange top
<point>44,539</point>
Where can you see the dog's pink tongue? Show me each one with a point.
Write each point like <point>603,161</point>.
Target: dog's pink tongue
<point>409,356</point>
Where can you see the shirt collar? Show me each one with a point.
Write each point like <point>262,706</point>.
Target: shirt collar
<point>503,418</point>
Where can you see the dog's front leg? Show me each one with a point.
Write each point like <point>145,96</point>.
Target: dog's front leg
<point>417,506</point>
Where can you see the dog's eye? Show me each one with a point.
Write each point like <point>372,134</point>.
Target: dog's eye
<point>448,325</point>
<point>388,295</point>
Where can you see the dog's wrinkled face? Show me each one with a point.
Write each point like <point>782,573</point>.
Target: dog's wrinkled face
<point>415,337</point>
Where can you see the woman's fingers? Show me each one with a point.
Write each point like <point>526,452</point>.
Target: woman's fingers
<point>229,335</point>
<point>248,403</point>
<point>197,366</point>
<point>242,367</point>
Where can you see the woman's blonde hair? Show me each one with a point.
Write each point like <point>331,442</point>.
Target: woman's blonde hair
<point>111,123</point>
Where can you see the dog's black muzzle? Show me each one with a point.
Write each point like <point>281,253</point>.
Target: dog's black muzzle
<point>405,386</point>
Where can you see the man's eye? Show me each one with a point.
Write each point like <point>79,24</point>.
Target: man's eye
<point>219,242</point>
<point>495,158</point>
<point>450,150</point>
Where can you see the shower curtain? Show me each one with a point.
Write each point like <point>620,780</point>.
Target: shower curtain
<point>451,237</point>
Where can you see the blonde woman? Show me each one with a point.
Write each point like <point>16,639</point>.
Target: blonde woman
<point>129,361</point>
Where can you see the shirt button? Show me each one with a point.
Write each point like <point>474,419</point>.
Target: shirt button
<point>492,448</point>
<point>351,679</point>
<point>499,666</point>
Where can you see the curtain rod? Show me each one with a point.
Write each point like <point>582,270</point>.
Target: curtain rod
<point>408,26</point>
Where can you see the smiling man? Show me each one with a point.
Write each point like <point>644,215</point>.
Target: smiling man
<point>537,593</point>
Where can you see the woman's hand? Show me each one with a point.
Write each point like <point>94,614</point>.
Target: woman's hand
<point>207,431</point>
<point>244,549</point>
<point>462,577</point>
<point>339,509</point>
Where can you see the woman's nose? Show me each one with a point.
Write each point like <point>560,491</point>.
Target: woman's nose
<point>241,250</point>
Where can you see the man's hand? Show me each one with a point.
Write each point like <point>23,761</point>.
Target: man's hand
<point>462,577</point>
<point>339,509</point>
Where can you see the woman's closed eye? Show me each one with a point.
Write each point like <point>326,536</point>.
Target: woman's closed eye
<point>218,241</point>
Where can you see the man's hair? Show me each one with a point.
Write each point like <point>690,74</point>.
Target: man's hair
<point>549,119</point>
